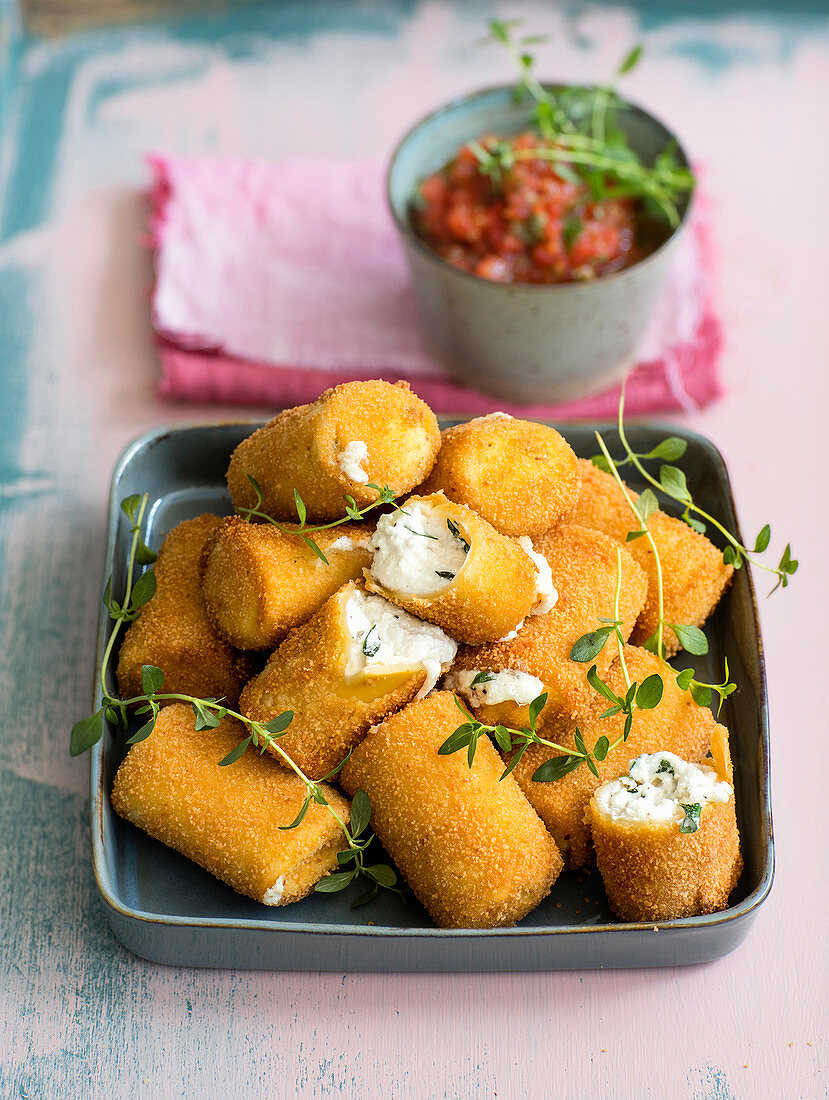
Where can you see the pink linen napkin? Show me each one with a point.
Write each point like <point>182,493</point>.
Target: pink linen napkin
<point>277,280</point>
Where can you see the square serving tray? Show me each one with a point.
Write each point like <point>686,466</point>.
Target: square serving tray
<point>166,909</point>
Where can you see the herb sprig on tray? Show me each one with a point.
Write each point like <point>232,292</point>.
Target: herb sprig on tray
<point>302,528</point>
<point>648,694</point>
<point>672,482</point>
<point>585,141</point>
<point>644,696</point>
<point>208,713</point>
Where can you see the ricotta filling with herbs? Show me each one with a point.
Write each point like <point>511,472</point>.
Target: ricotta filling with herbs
<point>508,685</point>
<point>662,787</point>
<point>417,551</point>
<point>351,459</point>
<point>273,895</point>
<point>547,595</point>
<point>386,638</point>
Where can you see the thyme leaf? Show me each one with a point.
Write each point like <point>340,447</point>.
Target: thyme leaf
<point>304,529</point>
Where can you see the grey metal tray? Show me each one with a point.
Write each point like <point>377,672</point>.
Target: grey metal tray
<point>168,910</point>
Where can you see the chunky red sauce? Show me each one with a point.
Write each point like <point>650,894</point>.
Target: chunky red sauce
<point>536,227</point>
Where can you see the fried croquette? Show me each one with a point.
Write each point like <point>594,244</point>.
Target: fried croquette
<point>355,661</point>
<point>353,435</point>
<point>666,839</point>
<point>584,569</point>
<point>469,845</point>
<point>444,563</point>
<point>260,582</point>
<point>173,631</point>
<point>230,820</point>
<point>521,476</point>
<point>694,575</point>
<point>677,725</point>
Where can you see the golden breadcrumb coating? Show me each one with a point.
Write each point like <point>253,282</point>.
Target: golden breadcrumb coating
<point>299,450</point>
<point>471,847</point>
<point>227,819</point>
<point>694,575</point>
<point>173,631</point>
<point>652,871</point>
<point>260,582</point>
<point>494,590</point>
<point>521,476</point>
<point>306,675</point>
<point>584,569</point>
<point>677,725</point>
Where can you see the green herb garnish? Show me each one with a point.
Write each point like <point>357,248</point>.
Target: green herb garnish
<point>447,576</point>
<point>571,230</point>
<point>422,534</point>
<point>456,531</point>
<point>672,482</point>
<point>386,496</point>
<point>371,646</point>
<point>690,823</point>
<point>208,713</point>
<point>586,143</point>
<point>482,678</point>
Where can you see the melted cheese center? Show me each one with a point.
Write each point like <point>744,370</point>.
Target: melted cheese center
<point>386,639</point>
<point>657,787</point>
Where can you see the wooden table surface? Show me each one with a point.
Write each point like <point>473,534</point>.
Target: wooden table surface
<point>81,1016</point>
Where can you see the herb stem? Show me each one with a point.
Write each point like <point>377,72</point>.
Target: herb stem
<point>136,528</point>
<point>634,458</point>
<point>660,626</point>
<point>618,632</point>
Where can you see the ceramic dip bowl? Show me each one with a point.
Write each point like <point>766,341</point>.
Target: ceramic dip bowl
<point>520,341</point>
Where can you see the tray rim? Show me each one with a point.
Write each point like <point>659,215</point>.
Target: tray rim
<point>739,912</point>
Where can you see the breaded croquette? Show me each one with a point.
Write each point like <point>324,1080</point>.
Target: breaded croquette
<point>356,434</point>
<point>173,631</point>
<point>521,476</point>
<point>584,572</point>
<point>694,575</point>
<point>469,845</point>
<point>230,820</point>
<point>444,563</point>
<point>355,661</point>
<point>677,725</point>
<point>666,839</point>
<point>260,582</point>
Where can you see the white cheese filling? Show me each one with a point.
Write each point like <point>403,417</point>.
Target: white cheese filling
<point>657,787</point>
<point>417,551</point>
<point>273,895</point>
<point>386,638</point>
<point>351,459</point>
<point>547,595</point>
<point>508,685</point>
<point>346,542</point>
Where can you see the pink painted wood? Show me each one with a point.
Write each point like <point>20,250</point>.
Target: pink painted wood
<point>81,1016</point>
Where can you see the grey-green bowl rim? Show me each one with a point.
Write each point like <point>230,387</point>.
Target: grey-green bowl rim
<point>741,910</point>
<point>412,239</point>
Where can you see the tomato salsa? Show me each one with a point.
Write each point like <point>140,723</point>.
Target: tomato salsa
<point>529,224</point>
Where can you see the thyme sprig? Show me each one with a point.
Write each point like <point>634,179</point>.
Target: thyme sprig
<point>208,714</point>
<point>302,528</point>
<point>587,145</point>
<point>645,696</point>
<point>673,483</point>
<point>517,741</point>
<point>690,637</point>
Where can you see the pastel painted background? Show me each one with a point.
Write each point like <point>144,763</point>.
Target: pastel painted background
<point>747,89</point>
